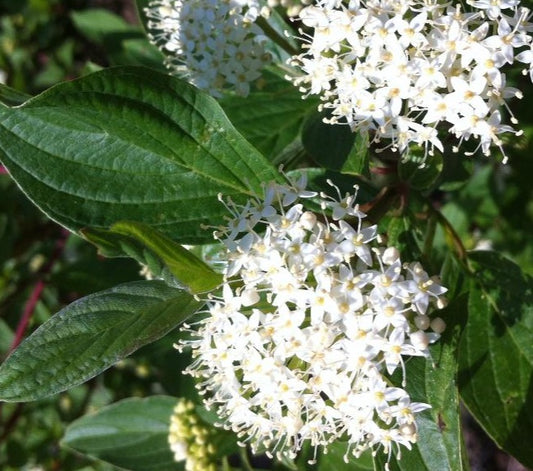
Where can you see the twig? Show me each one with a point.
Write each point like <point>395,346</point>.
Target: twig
<point>27,314</point>
<point>452,238</point>
<point>276,37</point>
<point>35,295</point>
<point>11,422</point>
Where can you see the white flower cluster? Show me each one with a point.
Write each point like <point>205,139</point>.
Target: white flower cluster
<point>403,69</point>
<point>189,440</point>
<point>314,318</point>
<point>215,44</point>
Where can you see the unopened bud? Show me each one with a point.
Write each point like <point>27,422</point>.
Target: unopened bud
<point>438,325</point>
<point>390,255</point>
<point>419,339</point>
<point>308,220</point>
<point>249,297</point>
<point>422,322</point>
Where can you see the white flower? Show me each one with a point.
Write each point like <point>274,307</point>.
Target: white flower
<point>214,44</point>
<point>494,7</point>
<point>302,350</point>
<point>392,67</point>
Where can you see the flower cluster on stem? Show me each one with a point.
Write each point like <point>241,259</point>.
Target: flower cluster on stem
<point>189,439</point>
<point>313,319</point>
<point>215,44</point>
<point>405,69</point>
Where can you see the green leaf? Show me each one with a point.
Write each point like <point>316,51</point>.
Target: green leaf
<point>131,434</point>
<point>440,445</point>
<point>111,244</point>
<point>336,147</point>
<point>271,118</point>
<point>124,43</point>
<point>479,198</point>
<point>134,49</point>
<point>420,172</point>
<point>453,276</point>
<point>185,266</point>
<point>357,162</point>
<point>90,335</point>
<point>456,171</point>
<point>11,97</point>
<point>6,336</point>
<point>96,23</point>
<point>496,354</point>
<point>403,234</point>
<point>163,257</point>
<point>130,144</point>
<point>334,460</point>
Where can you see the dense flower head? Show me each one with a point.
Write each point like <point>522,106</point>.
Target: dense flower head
<point>189,439</point>
<point>404,69</point>
<point>313,319</point>
<point>215,44</point>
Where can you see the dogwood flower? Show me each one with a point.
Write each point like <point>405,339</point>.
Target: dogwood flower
<point>215,44</point>
<point>393,68</point>
<point>313,319</point>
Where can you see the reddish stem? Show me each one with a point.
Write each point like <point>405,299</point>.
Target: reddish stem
<point>3,170</point>
<point>29,309</point>
<point>35,295</point>
<point>10,423</point>
<point>383,170</point>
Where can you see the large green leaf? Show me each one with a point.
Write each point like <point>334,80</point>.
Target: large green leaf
<point>90,335</point>
<point>130,144</point>
<point>440,445</point>
<point>496,354</point>
<point>132,434</point>
<point>11,97</point>
<point>185,266</point>
<point>164,258</point>
<point>270,118</point>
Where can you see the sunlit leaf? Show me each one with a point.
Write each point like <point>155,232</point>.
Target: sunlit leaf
<point>90,335</point>
<point>130,144</point>
<point>496,354</point>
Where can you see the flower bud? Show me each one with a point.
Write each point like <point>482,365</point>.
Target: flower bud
<point>390,255</point>
<point>419,339</point>
<point>438,325</point>
<point>422,321</point>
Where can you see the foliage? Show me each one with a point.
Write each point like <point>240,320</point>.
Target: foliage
<point>126,163</point>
